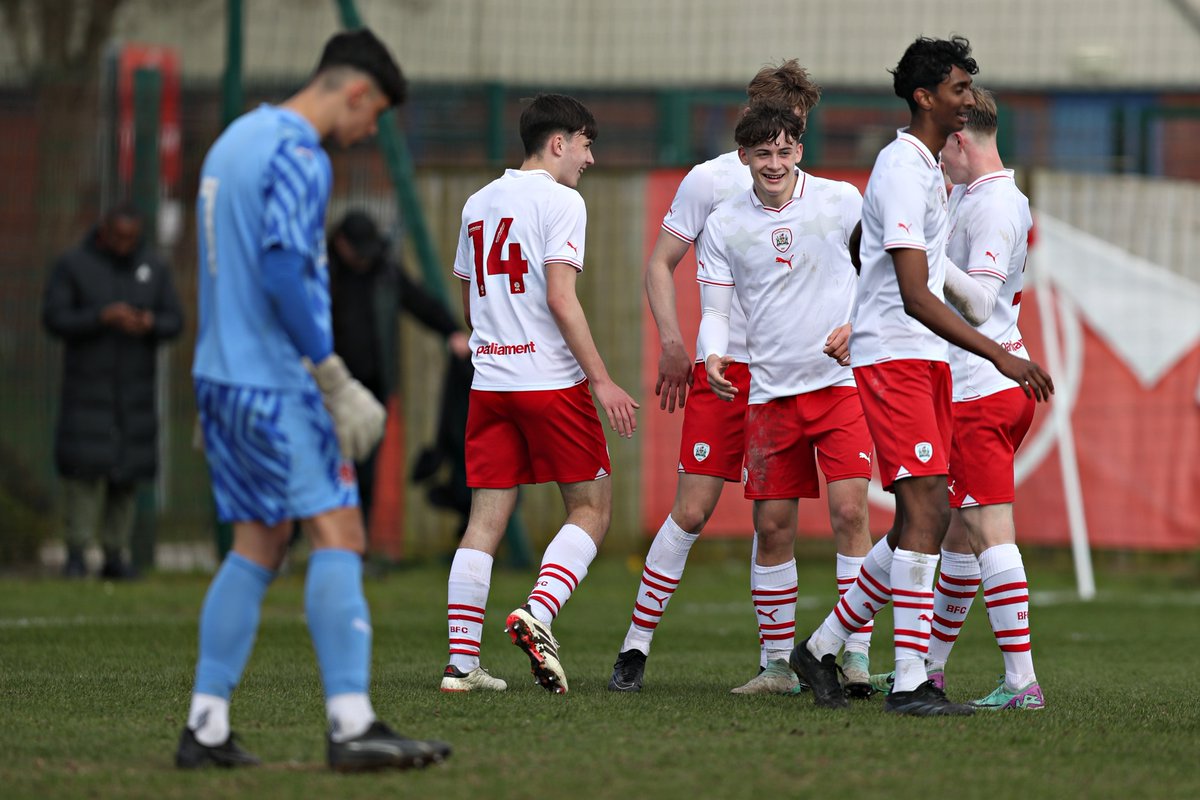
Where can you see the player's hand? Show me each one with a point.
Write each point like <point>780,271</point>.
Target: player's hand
<point>715,366</point>
<point>1034,380</point>
<point>837,344</point>
<point>618,406</point>
<point>674,377</point>
<point>357,416</point>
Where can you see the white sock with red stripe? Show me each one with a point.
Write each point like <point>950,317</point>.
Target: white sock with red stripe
<point>847,573</point>
<point>467,593</point>
<point>912,608</point>
<point>773,590</point>
<point>660,577</point>
<point>955,590</point>
<point>1006,593</point>
<point>564,566</point>
<point>762,645</point>
<point>870,592</point>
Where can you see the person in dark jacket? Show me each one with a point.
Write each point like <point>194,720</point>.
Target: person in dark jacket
<point>111,302</point>
<point>369,289</point>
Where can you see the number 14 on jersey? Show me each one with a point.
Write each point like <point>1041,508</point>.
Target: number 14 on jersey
<point>513,265</point>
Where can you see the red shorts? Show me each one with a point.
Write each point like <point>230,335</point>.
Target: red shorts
<point>987,433</point>
<point>713,439</point>
<point>907,405</point>
<point>534,437</point>
<point>783,435</point>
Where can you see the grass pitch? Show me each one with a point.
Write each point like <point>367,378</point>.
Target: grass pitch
<point>95,680</point>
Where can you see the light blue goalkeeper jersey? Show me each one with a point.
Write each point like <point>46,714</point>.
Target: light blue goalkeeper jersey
<point>265,183</point>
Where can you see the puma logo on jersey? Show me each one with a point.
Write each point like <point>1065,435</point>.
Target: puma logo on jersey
<point>662,601</point>
<point>576,249</point>
<point>990,255</point>
<point>781,260</point>
<point>907,228</point>
<point>864,456</point>
<point>771,615</point>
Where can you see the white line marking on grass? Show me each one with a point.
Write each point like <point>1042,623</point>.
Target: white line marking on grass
<point>113,621</point>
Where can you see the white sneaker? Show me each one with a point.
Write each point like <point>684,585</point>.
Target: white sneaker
<point>776,678</point>
<point>455,680</point>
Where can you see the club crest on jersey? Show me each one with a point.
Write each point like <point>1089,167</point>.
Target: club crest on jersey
<point>924,451</point>
<point>782,239</point>
<point>700,451</point>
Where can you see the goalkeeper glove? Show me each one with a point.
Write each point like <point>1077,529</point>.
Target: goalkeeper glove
<point>357,416</point>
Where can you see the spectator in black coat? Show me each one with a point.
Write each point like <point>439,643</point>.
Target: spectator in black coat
<point>369,290</point>
<point>111,302</point>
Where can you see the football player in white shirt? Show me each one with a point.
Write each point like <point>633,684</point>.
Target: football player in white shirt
<point>712,440</point>
<point>782,248</point>
<point>900,356</point>
<point>989,234</point>
<point>531,417</point>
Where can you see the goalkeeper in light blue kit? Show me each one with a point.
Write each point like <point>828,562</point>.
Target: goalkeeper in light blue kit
<point>283,420</point>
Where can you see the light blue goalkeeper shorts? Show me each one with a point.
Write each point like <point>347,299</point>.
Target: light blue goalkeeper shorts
<point>272,455</point>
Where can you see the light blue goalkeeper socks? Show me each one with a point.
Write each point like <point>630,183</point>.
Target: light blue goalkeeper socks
<point>229,623</point>
<point>339,621</point>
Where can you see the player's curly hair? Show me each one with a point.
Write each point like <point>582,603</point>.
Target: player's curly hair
<point>764,122</point>
<point>927,62</point>
<point>788,84</point>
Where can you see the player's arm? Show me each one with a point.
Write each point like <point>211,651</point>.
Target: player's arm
<point>837,343</point>
<point>466,303</point>
<point>569,317</point>
<point>912,274</point>
<point>974,295</point>
<point>462,270</point>
<point>674,360</point>
<point>715,304</point>
<point>358,418</point>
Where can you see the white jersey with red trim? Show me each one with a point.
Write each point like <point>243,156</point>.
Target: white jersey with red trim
<point>705,187</point>
<point>790,268</point>
<point>905,207</point>
<point>989,235</point>
<point>511,229</point>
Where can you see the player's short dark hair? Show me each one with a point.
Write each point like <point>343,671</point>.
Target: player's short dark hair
<point>548,114</point>
<point>927,62</point>
<point>764,122</point>
<point>361,50</point>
